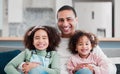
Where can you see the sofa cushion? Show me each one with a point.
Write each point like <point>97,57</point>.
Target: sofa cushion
<point>5,57</point>
<point>118,68</point>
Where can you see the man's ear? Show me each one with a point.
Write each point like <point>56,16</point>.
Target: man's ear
<point>76,19</point>
<point>76,23</point>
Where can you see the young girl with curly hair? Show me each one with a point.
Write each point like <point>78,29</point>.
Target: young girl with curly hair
<point>40,56</point>
<point>83,61</point>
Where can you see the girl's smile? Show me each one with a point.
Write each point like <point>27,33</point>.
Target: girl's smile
<point>41,40</point>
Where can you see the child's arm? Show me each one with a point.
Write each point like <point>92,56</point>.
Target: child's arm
<point>53,69</point>
<point>27,66</point>
<point>70,67</point>
<point>101,66</point>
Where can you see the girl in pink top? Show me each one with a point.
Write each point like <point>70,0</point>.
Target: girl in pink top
<point>83,61</point>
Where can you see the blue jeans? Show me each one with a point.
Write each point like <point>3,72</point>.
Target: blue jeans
<point>84,71</point>
<point>37,70</point>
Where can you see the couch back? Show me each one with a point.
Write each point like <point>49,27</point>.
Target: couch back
<point>5,57</point>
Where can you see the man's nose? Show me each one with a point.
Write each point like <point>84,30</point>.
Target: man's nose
<point>65,23</point>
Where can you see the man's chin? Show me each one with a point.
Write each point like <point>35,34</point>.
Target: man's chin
<point>67,33</point>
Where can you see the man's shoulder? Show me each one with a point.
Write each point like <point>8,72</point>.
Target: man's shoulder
<point>97,49</point>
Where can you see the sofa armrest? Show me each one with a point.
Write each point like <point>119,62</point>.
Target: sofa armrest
<point>5,57</point>
<point>118,68</point>
<point>116,61</point>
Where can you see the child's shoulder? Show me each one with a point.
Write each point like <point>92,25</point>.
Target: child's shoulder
<point>27,51</point>
<point>53,52</point>
<point>74,56</point>
<point>95,56</point>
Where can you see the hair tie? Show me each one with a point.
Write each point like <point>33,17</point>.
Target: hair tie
<point>37,26</point>
<point>93,38</point>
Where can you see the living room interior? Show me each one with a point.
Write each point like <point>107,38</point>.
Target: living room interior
<point>103,14</point>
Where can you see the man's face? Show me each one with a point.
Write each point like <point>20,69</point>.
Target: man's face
<point>67,22</point>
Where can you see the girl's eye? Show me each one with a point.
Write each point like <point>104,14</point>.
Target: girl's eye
<point>79,44</point>
<point>36,38</point>
<point>44,38</point>
<point>87,43</point>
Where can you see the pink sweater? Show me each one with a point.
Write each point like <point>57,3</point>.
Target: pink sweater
<point>100,66</point>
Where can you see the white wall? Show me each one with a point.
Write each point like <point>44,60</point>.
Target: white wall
<point>15,11</point>
<point>1,13</point>
<point>92,0</point>
<point>93,16</point>
<point>117,18</point>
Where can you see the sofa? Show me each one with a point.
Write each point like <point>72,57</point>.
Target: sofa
<point>116,61</point>
<point>6,56</point>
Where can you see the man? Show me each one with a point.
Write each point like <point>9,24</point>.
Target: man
<point>67,23</point>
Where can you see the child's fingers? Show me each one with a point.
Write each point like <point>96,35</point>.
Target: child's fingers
<point>36,62</point>
<point>25,72</point>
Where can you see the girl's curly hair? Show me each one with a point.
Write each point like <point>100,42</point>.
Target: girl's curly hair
<point>53,35</point>
<point>78,34</point>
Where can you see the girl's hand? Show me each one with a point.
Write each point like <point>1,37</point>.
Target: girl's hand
<point>84,65</point>
<point>79,66</point>
<point>89,67</point>
<point>28,66</point>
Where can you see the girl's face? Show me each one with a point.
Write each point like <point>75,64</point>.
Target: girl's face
<point>41,40</point>
<point>84,47</point>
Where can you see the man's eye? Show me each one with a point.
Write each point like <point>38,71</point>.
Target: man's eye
<point>69,19</point>
<point>60,20</point>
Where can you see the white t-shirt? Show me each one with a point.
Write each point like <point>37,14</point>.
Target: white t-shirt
<point>65,54</point>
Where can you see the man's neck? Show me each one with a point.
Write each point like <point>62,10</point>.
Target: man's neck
<point>66,36</point>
